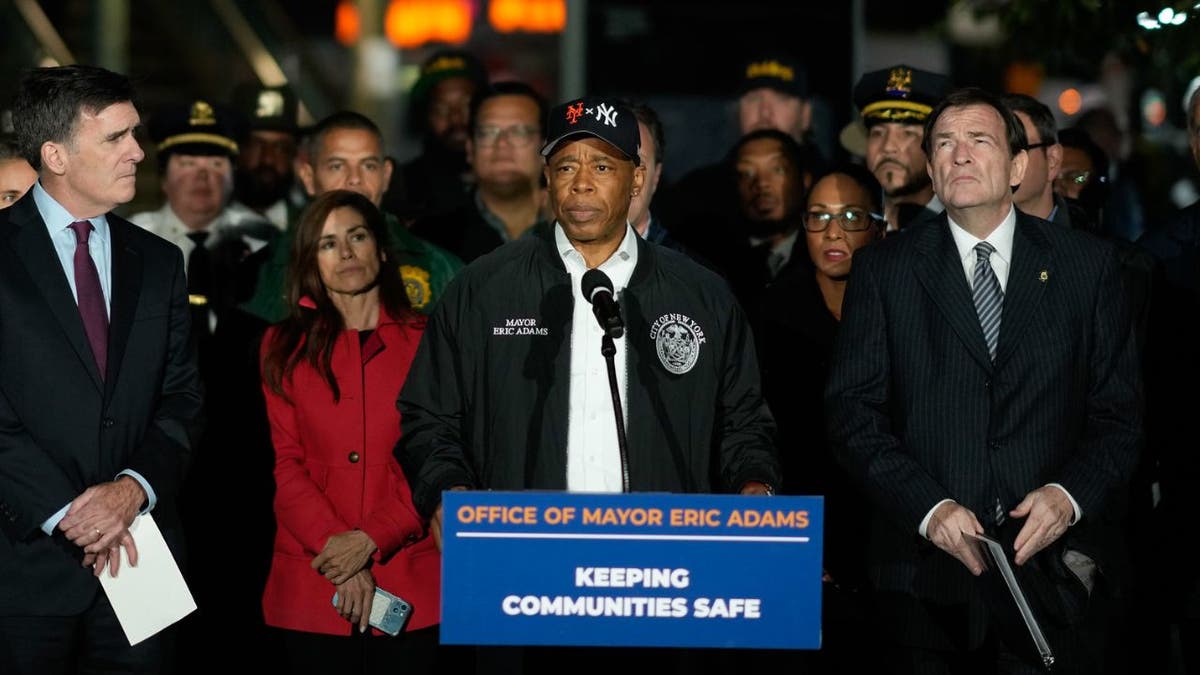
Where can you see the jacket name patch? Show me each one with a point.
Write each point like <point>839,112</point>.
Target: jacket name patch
<point>520,327</point>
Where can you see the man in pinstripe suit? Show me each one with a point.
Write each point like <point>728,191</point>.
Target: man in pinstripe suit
<point>984,380</point>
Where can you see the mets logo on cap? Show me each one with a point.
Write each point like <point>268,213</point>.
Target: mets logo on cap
<point>677,340</point>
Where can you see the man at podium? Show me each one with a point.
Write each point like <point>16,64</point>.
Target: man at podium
<point>514,383</point>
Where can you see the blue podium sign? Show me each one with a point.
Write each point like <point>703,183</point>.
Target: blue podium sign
<point>644,570</point>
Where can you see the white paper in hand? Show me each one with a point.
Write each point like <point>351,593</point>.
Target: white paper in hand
<point>153,595</point>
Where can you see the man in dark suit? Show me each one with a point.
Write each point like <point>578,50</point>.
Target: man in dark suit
<point>985,379</point>
<point>98,391</point>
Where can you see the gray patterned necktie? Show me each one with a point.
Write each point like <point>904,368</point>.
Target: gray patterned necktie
<point>989,298</point>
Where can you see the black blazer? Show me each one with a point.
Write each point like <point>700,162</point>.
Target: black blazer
<point>919,413</point>
<point>62,427</point>
<point>795,334</point>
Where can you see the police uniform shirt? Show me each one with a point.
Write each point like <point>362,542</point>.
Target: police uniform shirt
<point>593,455</point>
<point>167,225</point>
<point>164,223</point>
<point>276,214</point>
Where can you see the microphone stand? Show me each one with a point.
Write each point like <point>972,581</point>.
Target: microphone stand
<point>609,350</point>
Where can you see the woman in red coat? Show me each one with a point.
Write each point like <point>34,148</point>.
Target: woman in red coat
<point>331,374</point>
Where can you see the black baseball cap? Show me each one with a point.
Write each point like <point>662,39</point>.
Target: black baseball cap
<point>775,71</point>
<point>595,116</point>
<point>444,64</point>
<point>268,108</point>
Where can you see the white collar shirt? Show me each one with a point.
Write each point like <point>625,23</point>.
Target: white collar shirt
<point>1001,239</point>
<point>593,455</point>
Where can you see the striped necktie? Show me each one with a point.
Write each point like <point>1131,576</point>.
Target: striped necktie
<point>989,298</point>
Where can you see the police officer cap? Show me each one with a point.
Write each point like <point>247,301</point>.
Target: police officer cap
<point>776,71</point>
<point>594,116</point>
<point>899,94</point>
<point>267,108</point>
<point>196,128</point>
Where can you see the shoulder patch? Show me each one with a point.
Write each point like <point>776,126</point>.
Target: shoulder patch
<point>416,285</point>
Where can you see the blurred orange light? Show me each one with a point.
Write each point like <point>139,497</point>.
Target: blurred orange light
<point>453,23</point>
<point>533,16</point>
<point>1069,101</point>
<point>346,22</point>
<point>412,23</point>
<point>505,15</point>
<point>1023,77</point>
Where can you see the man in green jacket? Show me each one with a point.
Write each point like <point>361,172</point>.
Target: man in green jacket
<point>345,152</point>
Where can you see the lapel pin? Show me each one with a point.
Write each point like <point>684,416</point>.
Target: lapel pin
<point>1043,276</point>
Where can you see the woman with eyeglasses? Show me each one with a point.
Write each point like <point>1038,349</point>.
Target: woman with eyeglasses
<point>346,523</point>
<point>800,315</point>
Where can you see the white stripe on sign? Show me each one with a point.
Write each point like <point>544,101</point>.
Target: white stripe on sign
<point>640,537</point>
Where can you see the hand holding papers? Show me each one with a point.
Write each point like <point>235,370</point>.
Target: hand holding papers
<point>153,595</point>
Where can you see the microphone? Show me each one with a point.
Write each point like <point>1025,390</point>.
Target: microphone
<point>598,290</point>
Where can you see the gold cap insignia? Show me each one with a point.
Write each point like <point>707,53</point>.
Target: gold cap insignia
<point>202,115</point>
<point>899,82</point>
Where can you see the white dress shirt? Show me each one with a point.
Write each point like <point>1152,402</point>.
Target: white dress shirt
<point>593,455</point>
<point>58,223</point>
<point>1001,239</point>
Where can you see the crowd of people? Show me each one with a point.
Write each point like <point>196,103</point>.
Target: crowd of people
<point>290,361</point>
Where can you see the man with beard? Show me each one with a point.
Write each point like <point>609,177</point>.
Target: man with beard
<point>770,176</point>
<point>773,94</point>
<point>894,103</point>
<point>265,179</point>
<point>436,181</point>
<point>506,132</point>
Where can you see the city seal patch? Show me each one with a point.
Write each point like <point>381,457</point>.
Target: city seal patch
<point>677,339</point>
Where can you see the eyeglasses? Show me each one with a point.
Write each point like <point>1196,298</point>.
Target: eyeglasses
<point>520,135</point>
<point>1076,177</point>
<point>850,220</point>
<point>1040,144</point>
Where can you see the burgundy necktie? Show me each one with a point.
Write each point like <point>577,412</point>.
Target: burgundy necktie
<point>91,297</point>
